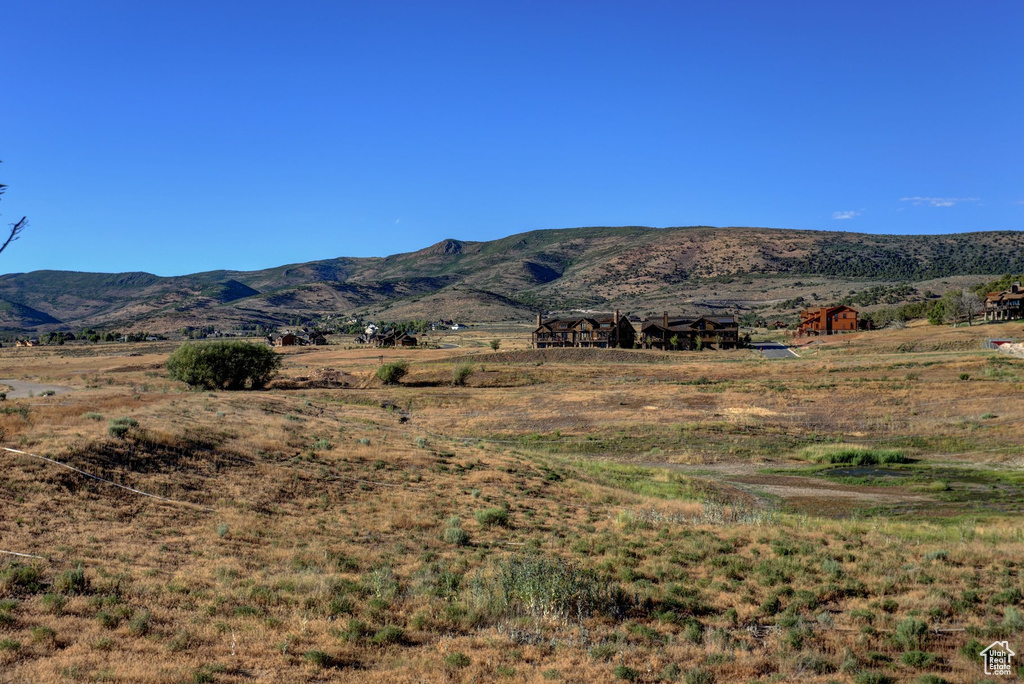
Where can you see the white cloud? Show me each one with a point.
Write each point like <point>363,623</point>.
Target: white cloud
<point>841,215</point>
<point>938,201</point>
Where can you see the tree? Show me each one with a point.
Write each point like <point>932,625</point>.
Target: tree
<point>232,365</point>
<point>495,345</point>
<point>971,304</point>
<point>952,306</point>
<point>392,373</point>
<point>16,228</point>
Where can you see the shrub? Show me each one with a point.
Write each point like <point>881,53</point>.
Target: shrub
<point>392,373</point>
<point>455,535</point>
<point>318,658</point>
<point>626,673</point>
<point>547,588</point>
<point>54,603</point>
<point>71,582</point>
<point>389,634</point>
<point>918,659</point>
<point>489,517</point>
<point>120,427</point>
<point>870,677</point>
<point>495,345</point>
<point>140,624</point>
<point>461,374</point>
<point>911,634</point>
<point>457,659</point>
<point>699,675</point>
<point>232,365</point>
<point>17,578</point>
<point>354,630</point>
<point>43,635</point>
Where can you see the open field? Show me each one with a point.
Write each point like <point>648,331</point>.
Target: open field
<point>851,515</point>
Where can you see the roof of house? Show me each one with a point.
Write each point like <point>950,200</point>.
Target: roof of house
<point>687,324</point>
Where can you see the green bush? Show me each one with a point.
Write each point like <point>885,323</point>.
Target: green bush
<point>454,534</point>
<point>489,517</point>
<point>71,582</point>
<point>317,658</point>
<point>699,676</point>
<point>233,365</point>
<point>16,578</point>
<point>388,634</point>
<point>911,634</point>
<point>392,373</point>
<point>461,374</point>
<point>546,588</point>
<point>120,427</point>
<point>626,673</point>
<point>140,624</point>
<point>457,659</point>
<point>918,659</point>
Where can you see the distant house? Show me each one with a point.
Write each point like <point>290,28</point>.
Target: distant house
<point>702,332</point>
<point>590,331</point>
<point>394,338</point>
<point>286,340</point>
<point>32,342</point>
<point>1005,305</point>
<point>827,320</point>
<point>21,343</point>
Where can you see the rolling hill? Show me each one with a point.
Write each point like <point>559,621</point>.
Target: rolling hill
<point>633,268</point>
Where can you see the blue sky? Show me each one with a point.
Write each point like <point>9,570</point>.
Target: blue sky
<point>189,136</point>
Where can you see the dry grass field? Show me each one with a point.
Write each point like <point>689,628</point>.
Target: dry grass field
<point>853,515</point>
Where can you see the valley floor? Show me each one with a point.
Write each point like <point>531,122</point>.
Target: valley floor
<point>850,515</point>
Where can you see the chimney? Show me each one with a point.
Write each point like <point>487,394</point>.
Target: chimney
<point>666,319</point>
<point>538,319</point>
<point>1015,288</point>
<point>615,319</point>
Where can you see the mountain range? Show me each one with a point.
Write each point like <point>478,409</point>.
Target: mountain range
<point>635,269</point>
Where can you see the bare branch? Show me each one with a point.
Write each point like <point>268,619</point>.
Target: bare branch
<point>15,229</point>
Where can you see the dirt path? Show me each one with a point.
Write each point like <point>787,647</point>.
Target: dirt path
<point>21,389</point>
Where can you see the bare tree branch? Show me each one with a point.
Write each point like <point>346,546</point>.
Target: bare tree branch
<point>15,229</point>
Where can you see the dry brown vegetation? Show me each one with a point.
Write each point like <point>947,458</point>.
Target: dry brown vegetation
<point>598,517</point>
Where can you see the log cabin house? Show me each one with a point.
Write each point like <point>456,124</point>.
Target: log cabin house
<point>827,320</point>
<point>703,332</point>
<point>590,331</point>
<point>1005,305</point>
<point>394,338</point>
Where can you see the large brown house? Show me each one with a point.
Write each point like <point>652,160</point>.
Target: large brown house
<point>703,332</point>
<point>1005,305</point>
<point>827,320</point>
<point>590,331</point>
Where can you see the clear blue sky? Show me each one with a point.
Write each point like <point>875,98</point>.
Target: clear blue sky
<point>187,136</point>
